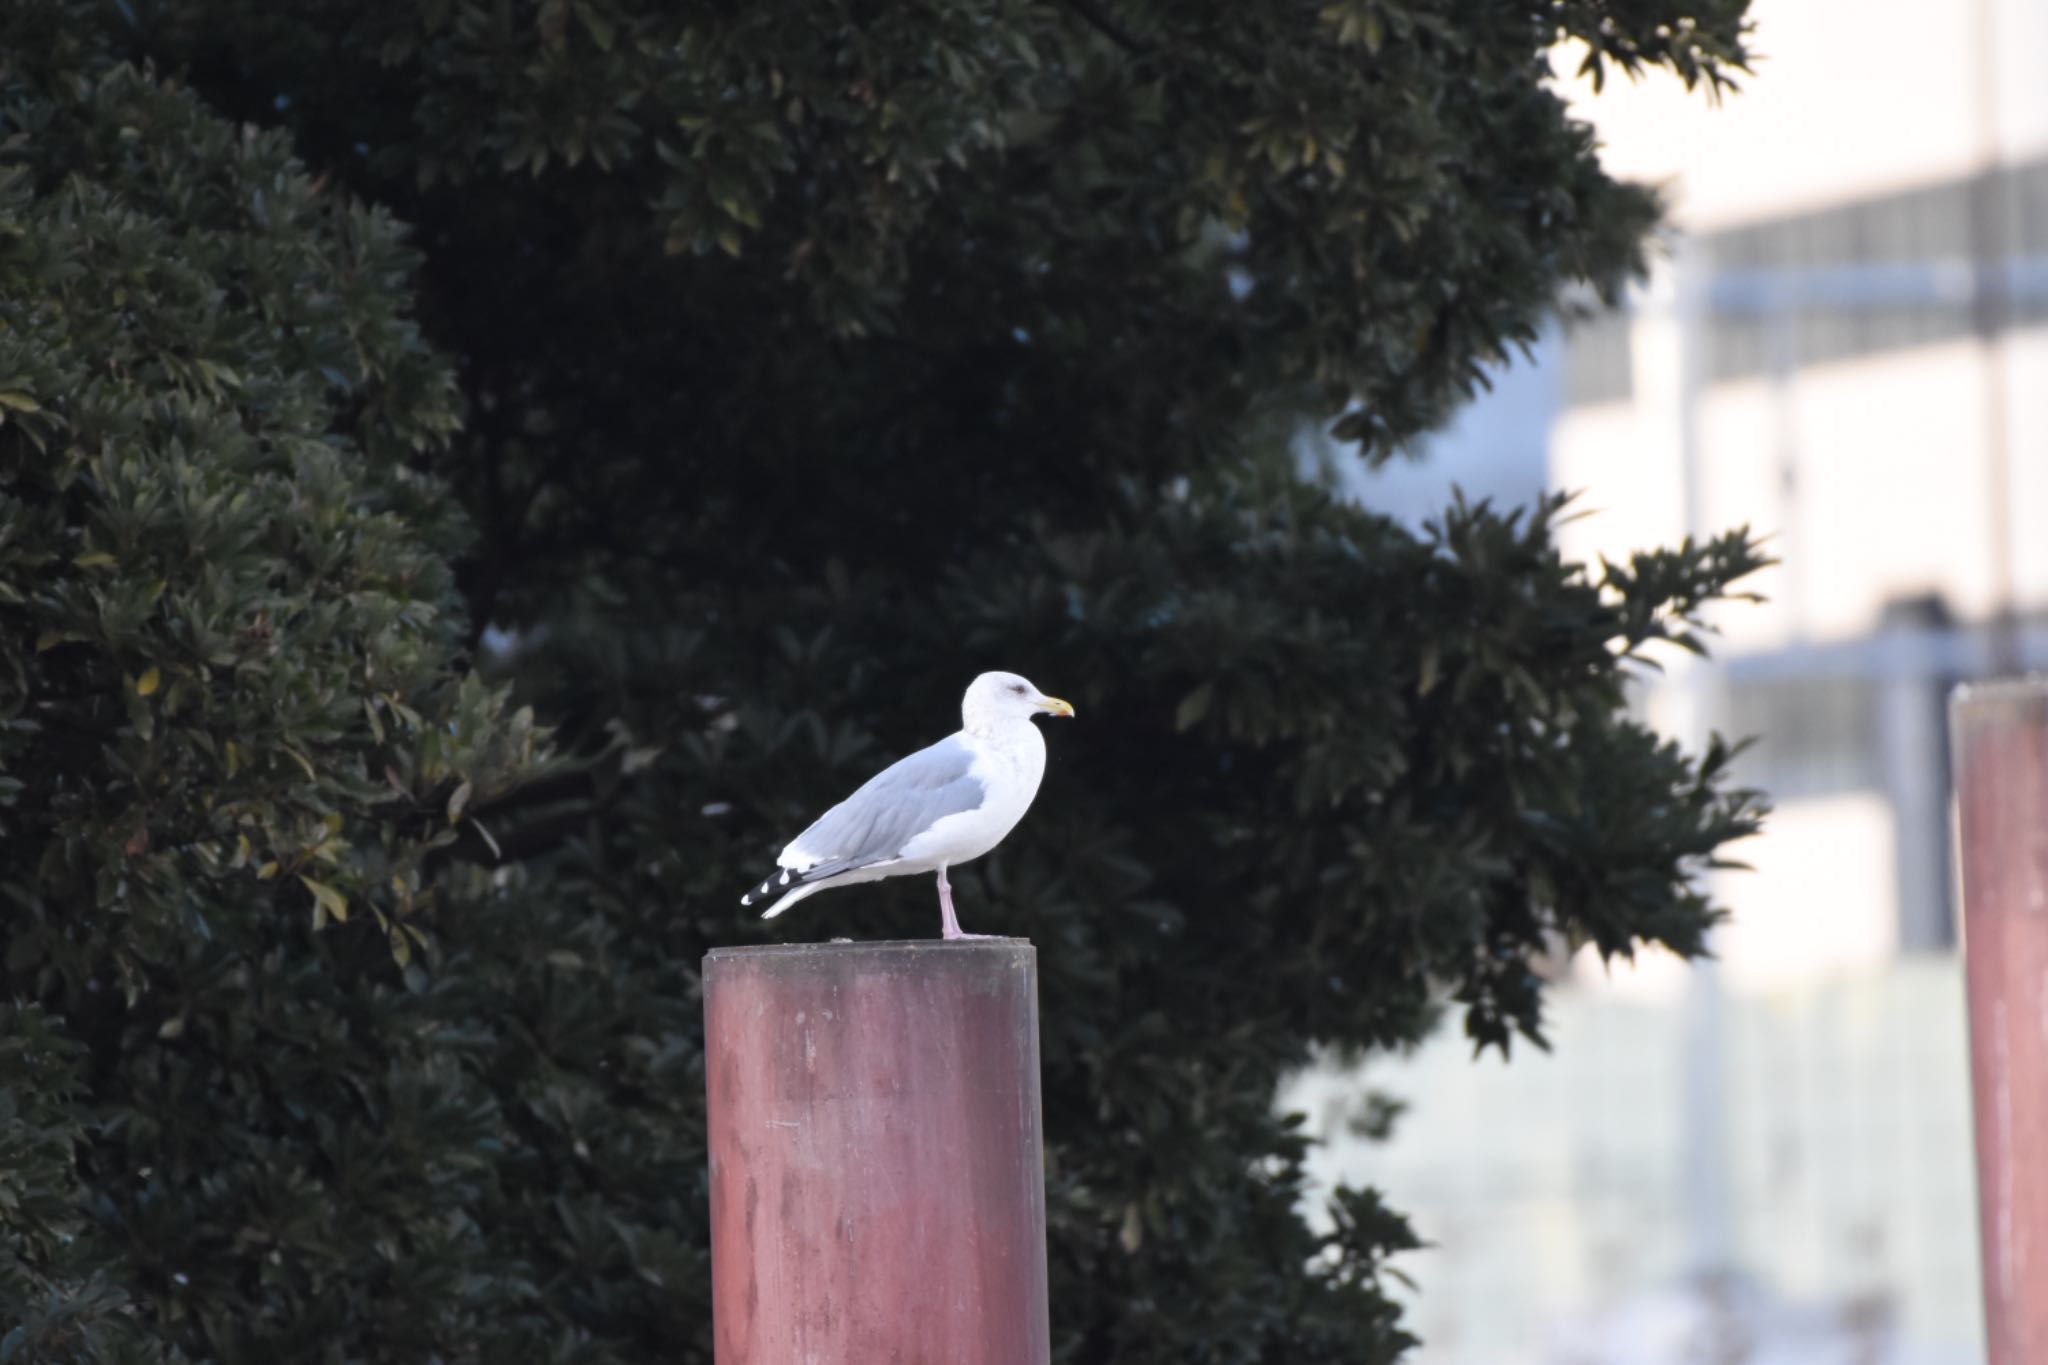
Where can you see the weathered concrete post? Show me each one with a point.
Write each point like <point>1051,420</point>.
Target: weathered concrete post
<point>877,1170</point>
<point>2000,737</point>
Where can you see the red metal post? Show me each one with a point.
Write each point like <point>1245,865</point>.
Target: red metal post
<point>2001,765</point>
<point>877,1167</point>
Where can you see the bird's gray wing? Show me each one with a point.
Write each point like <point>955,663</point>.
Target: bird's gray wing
<point>891,808</point>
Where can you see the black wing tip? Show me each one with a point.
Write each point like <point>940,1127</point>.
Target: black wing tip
<point>784,880</point>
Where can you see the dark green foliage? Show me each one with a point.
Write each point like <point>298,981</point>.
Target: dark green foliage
<point>809,360</point>
<point>231,709</point>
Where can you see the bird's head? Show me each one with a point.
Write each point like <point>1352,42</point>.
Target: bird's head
<point>994,698</point>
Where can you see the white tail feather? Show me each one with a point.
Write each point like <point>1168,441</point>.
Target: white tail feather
<point>791,899</point>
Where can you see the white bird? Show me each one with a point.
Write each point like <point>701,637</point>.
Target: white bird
<point>933,810</point>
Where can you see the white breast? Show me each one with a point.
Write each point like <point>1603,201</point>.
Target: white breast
<point>1010,764</point>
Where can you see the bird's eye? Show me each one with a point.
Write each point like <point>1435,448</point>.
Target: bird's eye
<point>1018,688</point>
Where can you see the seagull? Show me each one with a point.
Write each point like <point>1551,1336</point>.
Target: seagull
<point>936,809</point>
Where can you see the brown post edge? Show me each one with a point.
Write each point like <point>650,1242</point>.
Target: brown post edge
<point>1999,739</point>
<point>877,1159</point>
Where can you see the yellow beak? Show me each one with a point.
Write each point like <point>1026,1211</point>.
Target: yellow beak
<point>1057,707</point>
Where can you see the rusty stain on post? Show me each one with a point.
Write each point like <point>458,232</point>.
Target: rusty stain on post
<point>877,1176</point>
<point>2000,737</point>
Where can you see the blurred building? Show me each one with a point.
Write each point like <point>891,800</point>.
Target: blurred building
<point>1846,347</point>
<point>1569,1219</point>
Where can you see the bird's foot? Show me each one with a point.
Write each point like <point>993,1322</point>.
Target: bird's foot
<point>954,932</point>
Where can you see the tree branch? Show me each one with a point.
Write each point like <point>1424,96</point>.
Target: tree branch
<point>1100,20</point>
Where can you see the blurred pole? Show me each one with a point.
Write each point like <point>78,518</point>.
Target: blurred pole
<point>1913,766</point>
<point>2000,743</point>
<point>1674,373</point>
<point>877,1170</point>
<point>1990,316</point>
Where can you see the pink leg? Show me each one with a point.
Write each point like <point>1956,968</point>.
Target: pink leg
<point>950,925</point>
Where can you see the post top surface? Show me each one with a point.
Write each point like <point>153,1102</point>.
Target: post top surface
<point>948,944</point>
<point>2029,687</point>
<point>927,952</point>
<point>1994,707</point>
